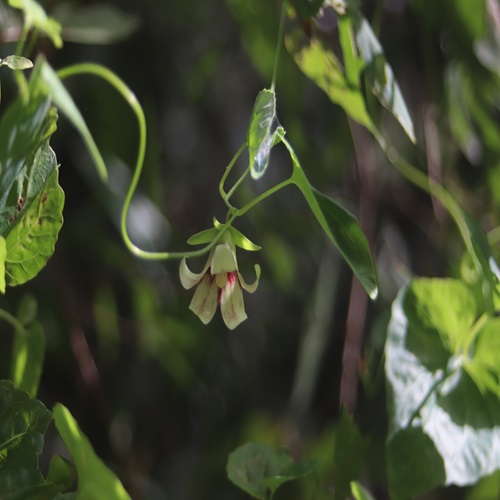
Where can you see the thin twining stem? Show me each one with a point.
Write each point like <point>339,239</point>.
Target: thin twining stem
<point>9,318</point>
<point>130,98</point>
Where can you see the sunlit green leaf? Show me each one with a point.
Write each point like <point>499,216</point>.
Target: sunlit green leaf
<point>261,132</point>
<point>25,163</point>
<point>258,469</point>
<point>95,479</point>
<point>28,355</point>
<point>16,62</point>
<point>96,24</point>
<point>22,427</point>
<point>484,366</point>
<point>31,240</point>
<point>64,102</point>
<point>320,65</point>
<point>35,17</point>
<point>442,429</point>
<point>446,306</point>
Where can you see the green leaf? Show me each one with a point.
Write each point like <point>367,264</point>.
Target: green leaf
<point>240,240</point>
<point>96,24</point>
<point>95,479</point>
<point>62,472</point>
<point>204,237</point>
<point>343,229</point>
<point>446,306</point>
<point>259,470</point>
<point>3,255</point>
<point>340,226</point>
<point>16,62</point>
<point>442,430</point>
<point>484,367</point>
<point>349,452</point>
<point>359,492</point>
<point>261,132</point>
<point>27,358</point>
<point>320,65</point>
<point>482,254</point>
<point>35,17</point>
<point>379,74</point>
<point>64,102</point>
<point>23,424</point>
<point>31,241</point>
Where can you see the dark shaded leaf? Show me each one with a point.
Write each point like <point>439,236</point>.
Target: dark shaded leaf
<point>259,470</point>
<point>23,422</point>
<point>96,24</point>
<point>27,358</point>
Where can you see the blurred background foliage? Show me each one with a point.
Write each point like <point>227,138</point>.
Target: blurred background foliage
<point>163,398</point>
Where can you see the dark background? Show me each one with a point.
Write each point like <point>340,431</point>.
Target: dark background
<point>163,398</point>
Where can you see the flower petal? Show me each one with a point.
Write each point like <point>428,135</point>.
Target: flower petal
<point>205,299</point>
<point>223,259</point>
<point>188,278</point>
<point>231,304</point>
<point>250,288</point>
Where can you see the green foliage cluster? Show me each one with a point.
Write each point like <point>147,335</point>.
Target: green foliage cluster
<point>436,366</point>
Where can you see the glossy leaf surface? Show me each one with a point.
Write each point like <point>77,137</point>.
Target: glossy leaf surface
<point>261,132</point>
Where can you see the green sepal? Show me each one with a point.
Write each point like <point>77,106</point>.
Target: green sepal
<point>208,235</point>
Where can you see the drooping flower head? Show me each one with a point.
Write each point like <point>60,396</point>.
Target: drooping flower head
<point>219,282</point>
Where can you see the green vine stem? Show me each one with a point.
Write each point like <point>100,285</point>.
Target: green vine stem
<point>9,318</point>
<point>130,98</point>
<point>427,184</point>
<point>226,196</point>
